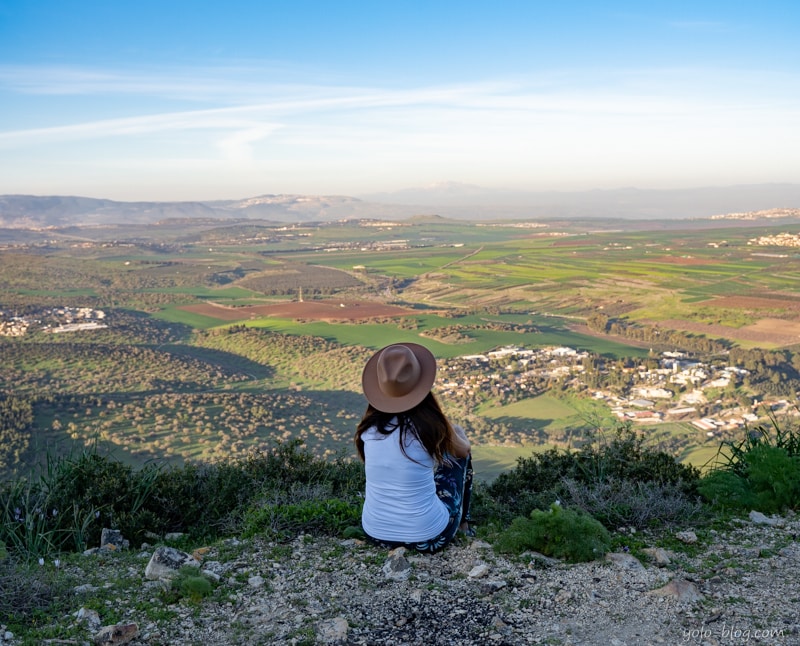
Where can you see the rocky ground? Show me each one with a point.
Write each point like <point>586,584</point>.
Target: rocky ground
<point>737,585</point>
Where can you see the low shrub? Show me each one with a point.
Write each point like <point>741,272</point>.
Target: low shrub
<point>760,471</point>
<point>192,585</point>
<point>209,500</point>
<point>75,497</point>
<point>26,590</point>
<point>538,481</point>
<point>633,503</point>
<point>762,476</point>
<point>561,533</point>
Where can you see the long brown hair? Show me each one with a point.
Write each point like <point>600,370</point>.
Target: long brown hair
<point>426,422</point>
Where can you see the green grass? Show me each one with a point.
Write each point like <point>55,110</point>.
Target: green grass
<point>209,293</point>
<point>490,461</point>
<point>183,317</point>
<point>552,413</point>
<point>703,457</point>
<point>543,407</point>
<point>376,335</point>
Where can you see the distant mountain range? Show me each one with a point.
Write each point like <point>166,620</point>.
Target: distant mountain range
<point>450,200</point>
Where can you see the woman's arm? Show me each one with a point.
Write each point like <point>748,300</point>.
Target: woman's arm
<point>460,443</point>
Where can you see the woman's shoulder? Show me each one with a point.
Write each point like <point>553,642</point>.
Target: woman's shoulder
<point>372,433</point>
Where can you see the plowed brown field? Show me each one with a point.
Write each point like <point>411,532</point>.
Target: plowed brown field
<point>770,331</point>
<point>754,302</point>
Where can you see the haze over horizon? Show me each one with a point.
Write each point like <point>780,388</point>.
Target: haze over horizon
<point>204,101</point>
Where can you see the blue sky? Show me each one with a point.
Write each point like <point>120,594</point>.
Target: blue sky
<point>214,100</point>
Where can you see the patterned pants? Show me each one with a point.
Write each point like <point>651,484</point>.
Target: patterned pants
<point>454,487</point>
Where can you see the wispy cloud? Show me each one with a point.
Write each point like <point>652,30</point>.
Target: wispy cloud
<point>278,106</point>
<point>238,145</point>
<point>232,83</point>
<point>132,126</point>
<point>562,122</point>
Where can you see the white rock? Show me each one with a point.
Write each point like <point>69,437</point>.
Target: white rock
<point>760,519</point>
<point>479,571</point>
<point>683,591</point>
<point>332,630</point>
<point>166,561</point>
<point>659,555</point>
<point>212,575</point>
<point>623,560</point>
<point>84,588</point>
<point>397,566</point>
<point>117,634</point>
<point>89,617</point>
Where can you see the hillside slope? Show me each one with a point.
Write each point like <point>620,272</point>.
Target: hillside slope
<point>733,586</point>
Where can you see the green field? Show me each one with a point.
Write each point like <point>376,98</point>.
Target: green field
<point>490,461</point>
<point>470,289</point>
<point>569,419</point>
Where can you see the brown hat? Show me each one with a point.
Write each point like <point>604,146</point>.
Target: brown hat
<point>398,377</point>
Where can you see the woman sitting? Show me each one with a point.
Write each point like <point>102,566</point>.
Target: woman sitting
<point>418,465</point>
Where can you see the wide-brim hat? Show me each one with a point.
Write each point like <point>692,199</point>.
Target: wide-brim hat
<point>398,377</point>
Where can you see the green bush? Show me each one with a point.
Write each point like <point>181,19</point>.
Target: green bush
<point>75,497</point>
<point>761,471</point>
<point>727,490</point>
<point>561,533</point>
<point>191,584</point>
<point>212,499</point>
<point>763,477</point>
<point>540,480</point>
<point>90,491</point>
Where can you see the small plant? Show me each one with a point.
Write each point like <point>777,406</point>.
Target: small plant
<point>354,531</point>
<point>316,515</point>
<point>305,636</point>
<point>561,533</point>
<point>27,589</point>
<point>763,477</point>
<point>761,471</point>
<point>189,584</point>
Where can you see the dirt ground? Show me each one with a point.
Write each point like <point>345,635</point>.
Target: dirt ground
<point>682,260</point>
<point>754,303</point>
<point>332,310</point>
<point>770,331</point>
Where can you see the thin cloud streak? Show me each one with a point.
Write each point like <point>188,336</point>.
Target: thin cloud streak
<point>496,102</point>
<point>646,125</point>
<point>216,83</point>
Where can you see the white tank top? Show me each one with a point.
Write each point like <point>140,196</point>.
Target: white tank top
<point>400,502</point>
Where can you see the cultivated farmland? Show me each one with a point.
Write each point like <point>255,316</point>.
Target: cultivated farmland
<point>221,339</point>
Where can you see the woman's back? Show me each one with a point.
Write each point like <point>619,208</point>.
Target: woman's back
<point>418,465</point>
<point>401,503</point>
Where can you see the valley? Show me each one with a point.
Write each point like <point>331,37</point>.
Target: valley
<point>218,337</point>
